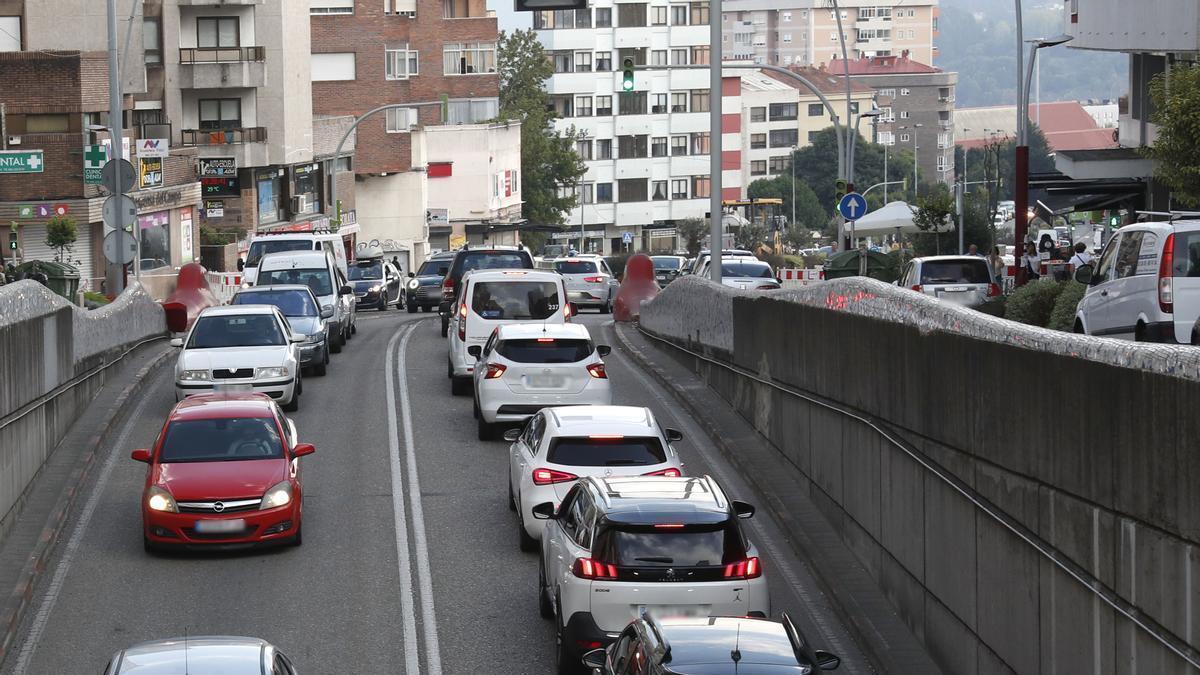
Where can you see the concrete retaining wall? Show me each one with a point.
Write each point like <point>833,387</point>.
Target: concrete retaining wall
<point>1086,446</point>
<point>45,342</point>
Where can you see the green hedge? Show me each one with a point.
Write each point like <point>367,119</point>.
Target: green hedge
<point>1063,316</point>
<point>1034,302</point>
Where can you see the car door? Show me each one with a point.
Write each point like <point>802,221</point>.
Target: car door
<point>523,452</point>
<point>1120,311</point>
<point>393,282</point>
<point>614,284</point>
<point>558,539</point>
<point>1094,307</point>
<point>1185,282</point>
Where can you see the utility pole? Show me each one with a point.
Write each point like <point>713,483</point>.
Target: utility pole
<point>714,141</point>
<point>114,273</point>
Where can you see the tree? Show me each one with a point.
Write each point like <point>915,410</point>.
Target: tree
<point>750,236</point>
<point>983,163</point>
<point>1178,163</point>
<point>817,165</point>
<point>550,167</point>
<point>692,231</point>
<point>60,236</point>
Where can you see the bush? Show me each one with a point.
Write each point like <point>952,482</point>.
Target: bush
<point>1033,303</point>
<point>617,263</point>
<point>1063,316</point>
<point>994,306</point>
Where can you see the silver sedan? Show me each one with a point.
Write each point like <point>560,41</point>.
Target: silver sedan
<point>206,654</point>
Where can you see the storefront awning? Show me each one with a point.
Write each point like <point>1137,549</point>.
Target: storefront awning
<point>1056,194</point>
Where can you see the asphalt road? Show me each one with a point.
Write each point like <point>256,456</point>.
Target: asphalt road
<point>410,561</point>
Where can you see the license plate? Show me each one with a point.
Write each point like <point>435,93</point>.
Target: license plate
<point>664,611</point>
<point>220,526</point>
<point>545,381</point>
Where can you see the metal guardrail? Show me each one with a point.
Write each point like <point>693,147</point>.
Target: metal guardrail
<point>193,55</point>
<point>194,137</point>
<point>1092,584</point>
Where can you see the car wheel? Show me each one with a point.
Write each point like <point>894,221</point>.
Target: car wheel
<point>460,386</point>
<point>411,306</point>
<point>353,327</point>
<point>545,607</point>
<point>1079,327</point>
<point>426,308</point>
<point>512,500</point>
<point>383,303</point>
<point>321,368</point>
<point>336,342</point>
<point>445,327</point>
<point>299,538</point>
<point>563,657</point>
<point>484,429</point>
<point>449,369</point>
<point>607,308</point>
<point>528,544</point>
<point>1139,333</point>
<point>149,546</point>
<point>294,404</point>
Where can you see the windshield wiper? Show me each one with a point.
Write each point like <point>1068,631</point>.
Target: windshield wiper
<point>656,559</point>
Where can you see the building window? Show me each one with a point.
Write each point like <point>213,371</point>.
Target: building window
<point>604,17</point>
<point>603,193</point>
<point>887,93</point>
<point>699,100</point>
<point>701,186</point>
<point>603,62</point>
<point>700,143</point>
<point>603,105</point>
<point>787,37</point>
<point>786,17</point>
<point>660,104</point>
<point>564,62</point>
<point>332,67</point>
<point>783,138</point>
<point>218,31</point>
<point>778,164</point>
<point>679,101</point>
<point>331,7</point>
<point>401,64</point>
<point>469,58</point>
<point>904,138</point>
<point>658,15</point>
<point>679,57</point>
<point>679,145</point>
<point>151,40</point>
<point>583,18</point>
<point>699,13</point>
<point>658,190</point>
<point>758,167</point>
<point>886,138</point>
<point>400,120</point>
<point>604,148</point>
<point>632,102</point>
<point>631,14</point>
<point>679,188</point>
<point>758,141</point>
<point>816,109</point>
<point>886,114</point>
<point>583,149</point>
<point>758,114</point>
<point>583,106</point>
<point>472,111</point>
<point>220,113</point>
<point>904,92</point>
<point>943,139</point>
<point>700,55</point>
<point>632,147</point>
<point>563,104</point>
<point>632,190</point>
<point>658,57</point>
<point>903,114</point>
<point>783,111</point>
<point>583,62</point>
<point>658,146</point>
<point>638,54</point>
<point>587,193</point>
<point>812,136</point>
<point>679,15</point>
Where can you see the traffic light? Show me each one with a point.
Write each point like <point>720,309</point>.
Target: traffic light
<point>627,74</point>
<point>12,238</point>
<point>1114,221</point>
<point>841,188</point>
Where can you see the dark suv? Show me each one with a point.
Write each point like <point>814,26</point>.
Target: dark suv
<point>424,289</point>
<point>478,258</point>
<point>713,646</point>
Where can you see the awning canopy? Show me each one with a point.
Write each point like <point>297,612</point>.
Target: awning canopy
<point>891,218</point>
<point>1057,195</point>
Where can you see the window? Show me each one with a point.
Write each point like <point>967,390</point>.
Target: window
<point>401,63</point>
<point>587,193</point>
<point>564,105</point>
<point>603,193</point>
<point>816,109</point>
<point>903,114</point>
<point>700,55</point>
<point>943,139</point>
<point>218,31</point>
<point>220,113</point>
<point>604,17</point>
<point>679,57</point>
<point>583,18</point>
<point>935,26</point>
<point>660,104</point>
<point>469,58</point>
<point>812,136</point>
<point>758,141</point>
<point>583,62</point>
<point>400,120</point>
<point>904,92</point>
<point>886,138</point>
<point>632,190</point>
<point>886,114</point>
<point>833,37</point>
<point>629,147</point>
<point>151,42</point>
<point>632,102</point>
<point>783,138</point>
<point>679,101</point>
<point>783,111</point>
<point>658,15</point>
<point>631,14</point>
<point>786,17</point>
<point>331,7</point>
<point>941,163</point>
<point>472,111</point>
<point>583,149</point>
<point>787,37</point>
<point>758,114</point>
<point>699,13</point>
<point>701,186</point>
<point>887,93</point>
<point>778,164</point>
<point>604,148</point>
<point>583,106</point>
<point>854,107</point>
<point>679,145</point>
<point>658,146</point>
<point>679,188</point>
<point>658,190</point>
<point>758,167</point>
<point>679,15</point>
<point>699,100</point>
<point>904,138</point>
<point>700,143</point>
<point>603,61</point>
<point>658,57</point>
<point>604,105</point>
<point>10,33</point>
<point>564,62</point>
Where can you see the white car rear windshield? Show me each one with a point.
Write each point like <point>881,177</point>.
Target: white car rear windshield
<point>684,546</point>
<point>238,330</point>
<point>575,267</point>
<point>262,247</point>
<point>545,350</point>
<point>533,300</point>
<point>955,272</point>
<point>606,451</point>
<point>316,279</point>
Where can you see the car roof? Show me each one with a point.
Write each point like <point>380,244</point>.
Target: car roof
<point>204,655</point>
<point>713,640</point>
<point>274,287</point>
<point>578,258</point>
<point>517,274</point>
<point>231,310</point>
<point>624,420</point>
<point>282,259</point>
<point>223,405</point>
<point>642,500</point>
<point>525,331</point>
<point>950,258</point>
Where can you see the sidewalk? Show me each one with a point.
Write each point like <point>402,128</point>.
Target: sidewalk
<point>27,550</point>
<point>880,632</point>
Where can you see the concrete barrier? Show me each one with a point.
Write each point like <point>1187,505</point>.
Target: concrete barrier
<point>46,344</point>
<point>1026,498</point>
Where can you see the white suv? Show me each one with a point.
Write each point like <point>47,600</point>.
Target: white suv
<point>617,548</point>
<point>525,367</point>
<point>560,445</point>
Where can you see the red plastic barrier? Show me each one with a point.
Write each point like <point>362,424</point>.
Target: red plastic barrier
<point>637,287</point>
<point>192,296</point>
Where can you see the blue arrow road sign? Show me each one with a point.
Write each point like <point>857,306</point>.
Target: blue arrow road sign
<point>853,206</point>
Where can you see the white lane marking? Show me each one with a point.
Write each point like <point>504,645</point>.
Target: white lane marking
<point>50,597</point>
<point>717,464</point>
<point>412,663</point>
<point>433,654</point>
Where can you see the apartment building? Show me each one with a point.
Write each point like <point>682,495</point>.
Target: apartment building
<point>805,32</point>
<point>646,150</point>
<point>917,101</point>
<point>371,53</point>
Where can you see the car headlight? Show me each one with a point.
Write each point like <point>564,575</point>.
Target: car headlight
<point>246,284</point>
<point>314,338</point>
<point>278,495</point>
<point>281,371</point>
<point>376,288</point>
<point>158,499</point>
<point>196,375</point>
<point>413,284</point>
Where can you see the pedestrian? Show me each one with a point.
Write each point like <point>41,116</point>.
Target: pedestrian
<point>1032,263</point>
<point>1081,257</point>
<point>973,250</point>
<point>996,262</point>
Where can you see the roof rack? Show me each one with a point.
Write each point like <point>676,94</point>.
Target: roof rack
<point>664,648</point>
<point>1171,216</point>
<point>800,646</point>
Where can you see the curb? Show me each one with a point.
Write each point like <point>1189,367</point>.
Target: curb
<point>21,598</point>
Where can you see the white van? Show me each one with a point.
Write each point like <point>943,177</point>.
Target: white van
<point>318,271</point>
<point>265,243</point>
<point>1144,285</point>
<point>494,297</point>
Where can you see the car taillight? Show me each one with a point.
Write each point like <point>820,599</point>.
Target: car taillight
<point>597,371</point>
<point>1166,282</point>
<point>993,290</point>
<point>594,280</point>
<point>494,371</point>
<point>448,288</point>
<point>769,287</point>
<point>917,288</point>
<point>743,569</point>
<point>550,477</point>
<point>586,568</point>
<point>567,311</point>
<point>669,473</point>
<point>462,321</point>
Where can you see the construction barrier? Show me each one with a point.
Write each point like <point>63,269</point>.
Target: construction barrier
<point>794,277</point>
<point>224,284</point>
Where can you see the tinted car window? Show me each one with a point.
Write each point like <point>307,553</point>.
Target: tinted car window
<point>955,272</point>
<point>317,279</point>
<point>493,260</point>
<point>1187,254</point>
<point>752,270</point>
<point>692,546</point>
<point>371,269</point>
<point>575,267</point>
<point>533,300</point>
<point>545,350</point>
<point>260,248</point>
<point>291,303</point>
<point>606,451</point>
<point>221,440</point>
<point>239,330</point>
<point>433,267</point>
<point>667,263</point>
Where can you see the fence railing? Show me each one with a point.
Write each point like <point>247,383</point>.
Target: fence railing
<point>233,136</point>
<point>193,55</point>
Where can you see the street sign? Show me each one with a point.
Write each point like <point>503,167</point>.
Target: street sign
<point>119,213</point>
<point>154,148</point>
<point>853,206</point>
<point>21,161</point>
<point>119,247</point>
<point>94,158</point>
<point>627,238</point>
<point>127,174</point>
<point>437,216</point>
<point>216,167</point>
<point>26,211</point>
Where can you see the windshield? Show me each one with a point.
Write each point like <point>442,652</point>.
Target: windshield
<point>221,440</point>
<point>552,250</point>
<point>236,330</point>
<point>667,263</point>
<point>753,270</point>
<point>606,451</point>
<point>316,279</point>
<point>290,302</point>
<point>535,300</point>
<point>431,268</point>
<point>575,267</point>
<point>366,269</point>
<point>955,272</point>
<point>544,350</point>
<point>494,260</point>
<point>264,246</point>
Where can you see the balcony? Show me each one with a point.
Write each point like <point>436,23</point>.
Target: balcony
<point>234,136</point>
<point>218,3</point>
<point>221,68</point>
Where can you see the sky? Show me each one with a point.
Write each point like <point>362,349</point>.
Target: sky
<point>508,18</point>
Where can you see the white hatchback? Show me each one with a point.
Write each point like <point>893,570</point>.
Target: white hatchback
<point>558,446</point>
<point>526,367</point>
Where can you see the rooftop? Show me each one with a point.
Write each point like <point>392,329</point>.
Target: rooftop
<point>608,419</point>
<point>823,80</point>
<point>1066,125</point>
<point>882,65</point>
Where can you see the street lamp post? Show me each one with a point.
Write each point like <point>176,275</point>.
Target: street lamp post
<point>793,170</point>
<point>916,164</point>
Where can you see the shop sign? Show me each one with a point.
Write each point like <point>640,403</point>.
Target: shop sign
<point>212,167</point>
<point>151,175</point>
<point>224,187</point>
<point>165,198</point>
<point>185,234</point>
<point>214,208</point>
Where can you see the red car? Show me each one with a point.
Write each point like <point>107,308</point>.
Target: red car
<point>223,472</point>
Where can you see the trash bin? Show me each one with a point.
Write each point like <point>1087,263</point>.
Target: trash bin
<point>62,279</point>
<point>848,264</point>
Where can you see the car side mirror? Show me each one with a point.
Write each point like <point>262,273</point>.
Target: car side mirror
<point>1085,275</point>
<point>543,511</point>
<point>779,281</point>
<point>140,455</point>
<point>176,342</point>
<point>674,435</point>
<point>596,659</point>
<point>475,350</point>
<point>345,290</point>
<point>742,509</point>
<point>326,312</point>
<point>296,337</point>
<point>241,264</point>
<point>827,661</point>
<point>303,449</point>
<point>603,350</point>
<point>411,275</point>
<point>512,435</point>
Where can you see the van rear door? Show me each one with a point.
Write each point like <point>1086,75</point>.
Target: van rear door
<point>1185,272</point>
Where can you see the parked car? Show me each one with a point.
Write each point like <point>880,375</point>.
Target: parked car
<point>265,243</point>
<point>667,268</point>
<point>590,282</point>
<point>201,654</point>
<point>299,306</point>
<point>318,271</point>
<point>470,258</point>
<point>1145,285</point>
<point>377,283</point>
<point>704,255</point>
<point>747,273</point>
<point>964,280</point>
<point>424,288</point>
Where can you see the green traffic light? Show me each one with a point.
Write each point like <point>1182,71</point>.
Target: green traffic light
<point>627,73</point>
<point>627,83</point>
